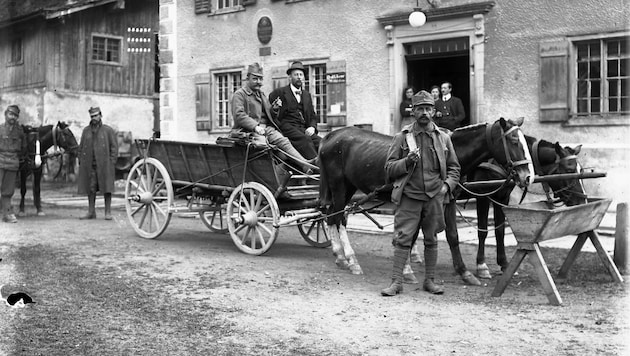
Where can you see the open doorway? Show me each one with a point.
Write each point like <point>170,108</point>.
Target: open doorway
<point>435,62</point>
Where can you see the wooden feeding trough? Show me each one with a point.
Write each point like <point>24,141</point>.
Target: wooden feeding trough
<point>536,222</point>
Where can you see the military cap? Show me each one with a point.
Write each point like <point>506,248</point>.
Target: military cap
<point>95,110</point>
<point>14,109</point>
<point>422,97</point>
<point>255,69</point>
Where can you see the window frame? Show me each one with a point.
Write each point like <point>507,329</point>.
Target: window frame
<point>11,62</point>
<point>320,101</point>
<point>121,49</point>
<point>232,73</point>
<point>214,7</point>
<point>603,118</point>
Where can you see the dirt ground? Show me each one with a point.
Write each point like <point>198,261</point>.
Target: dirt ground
<point>102,290</point>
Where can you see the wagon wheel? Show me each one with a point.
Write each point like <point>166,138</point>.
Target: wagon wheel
<point>253,218</point>
<point>215,220</point>
<point>148,198</point>
<point>314,232</point>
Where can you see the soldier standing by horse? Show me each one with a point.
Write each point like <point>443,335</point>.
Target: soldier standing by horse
<point>422,163</point>
<point>12,148</point>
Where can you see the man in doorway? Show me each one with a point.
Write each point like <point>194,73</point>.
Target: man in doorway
<point>449,110</point>
<point>296,114</point>
<point>251,112</point>
<point>422,163</point>
<point>12,149</point>
<point>98,152</point>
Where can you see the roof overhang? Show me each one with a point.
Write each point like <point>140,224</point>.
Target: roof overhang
<point>59,12</point>
<point>401,16</point>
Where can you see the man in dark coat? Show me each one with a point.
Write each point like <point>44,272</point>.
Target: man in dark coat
<point>98,152</point>
<point>12,148</point>
<point>296,115</point>
<point>449,110</point>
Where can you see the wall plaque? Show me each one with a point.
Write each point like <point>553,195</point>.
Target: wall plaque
<point>264,30</point>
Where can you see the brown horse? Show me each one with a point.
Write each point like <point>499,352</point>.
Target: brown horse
<point>352,159</point>
<point>548,158</point>
<point>58,135</point>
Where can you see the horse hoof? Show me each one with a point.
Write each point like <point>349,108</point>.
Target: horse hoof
<point>483,271</point>
<point>356,269</point>
<point>470,279</point>
<point>21,214</point>
<point>343,264</point>
<point>484,274</point>
<point>41,213</point>
<point>410,278</point>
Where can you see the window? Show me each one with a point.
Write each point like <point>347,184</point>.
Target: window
<point>315,84</point>
<point>16,52</point>
<point>602,76</point>
<point>584,80</point>
<point>221,6</point>
<point>226,4</point>
<point>106,49</point>
<point>224,84</point>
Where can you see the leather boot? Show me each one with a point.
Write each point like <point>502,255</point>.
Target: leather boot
<point>108,206</point>
<point>430,260</point>
<point>91,214</point>
<point>400,257</point>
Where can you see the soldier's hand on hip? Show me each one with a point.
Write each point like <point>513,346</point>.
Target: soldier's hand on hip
<point>309,131</point>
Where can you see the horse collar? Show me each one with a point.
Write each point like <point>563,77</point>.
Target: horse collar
<point>54,137</point>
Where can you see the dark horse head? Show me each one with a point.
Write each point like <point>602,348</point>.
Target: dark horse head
<point>550,158</point>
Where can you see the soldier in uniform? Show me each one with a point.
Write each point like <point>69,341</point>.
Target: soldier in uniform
<point>13,147</point>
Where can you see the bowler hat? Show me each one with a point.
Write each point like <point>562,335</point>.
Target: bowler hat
<point>422,97</point>
<point>95,110</point>
<point>294,66</point>
<point>14,109</point>
<point>255,69</point>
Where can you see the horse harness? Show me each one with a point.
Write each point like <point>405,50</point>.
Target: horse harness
<point>510,163</point>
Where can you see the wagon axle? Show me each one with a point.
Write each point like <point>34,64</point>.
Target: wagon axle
<point>144,197</point>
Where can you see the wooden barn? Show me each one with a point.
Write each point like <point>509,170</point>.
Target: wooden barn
<point>60,57</point>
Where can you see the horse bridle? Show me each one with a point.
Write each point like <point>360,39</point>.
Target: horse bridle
<point>511,165</point>
<point>554,167</point>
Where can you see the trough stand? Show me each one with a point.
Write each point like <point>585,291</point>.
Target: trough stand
<point>536,222</point>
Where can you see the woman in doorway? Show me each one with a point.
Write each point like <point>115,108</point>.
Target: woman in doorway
<point>406,107</point>
<point>435,91</point>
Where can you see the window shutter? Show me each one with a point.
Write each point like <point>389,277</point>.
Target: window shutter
<point>554,81</point>
<point>202,102</point>
<point>336,93</point>
<point>279,77</point>
<point>202,6</point>
<point>249,2</point>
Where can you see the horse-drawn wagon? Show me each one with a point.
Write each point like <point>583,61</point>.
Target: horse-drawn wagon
<point>253,185</point>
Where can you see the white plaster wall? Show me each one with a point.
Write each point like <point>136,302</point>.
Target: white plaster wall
<point>122,113</point>
<point>333,30</point>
